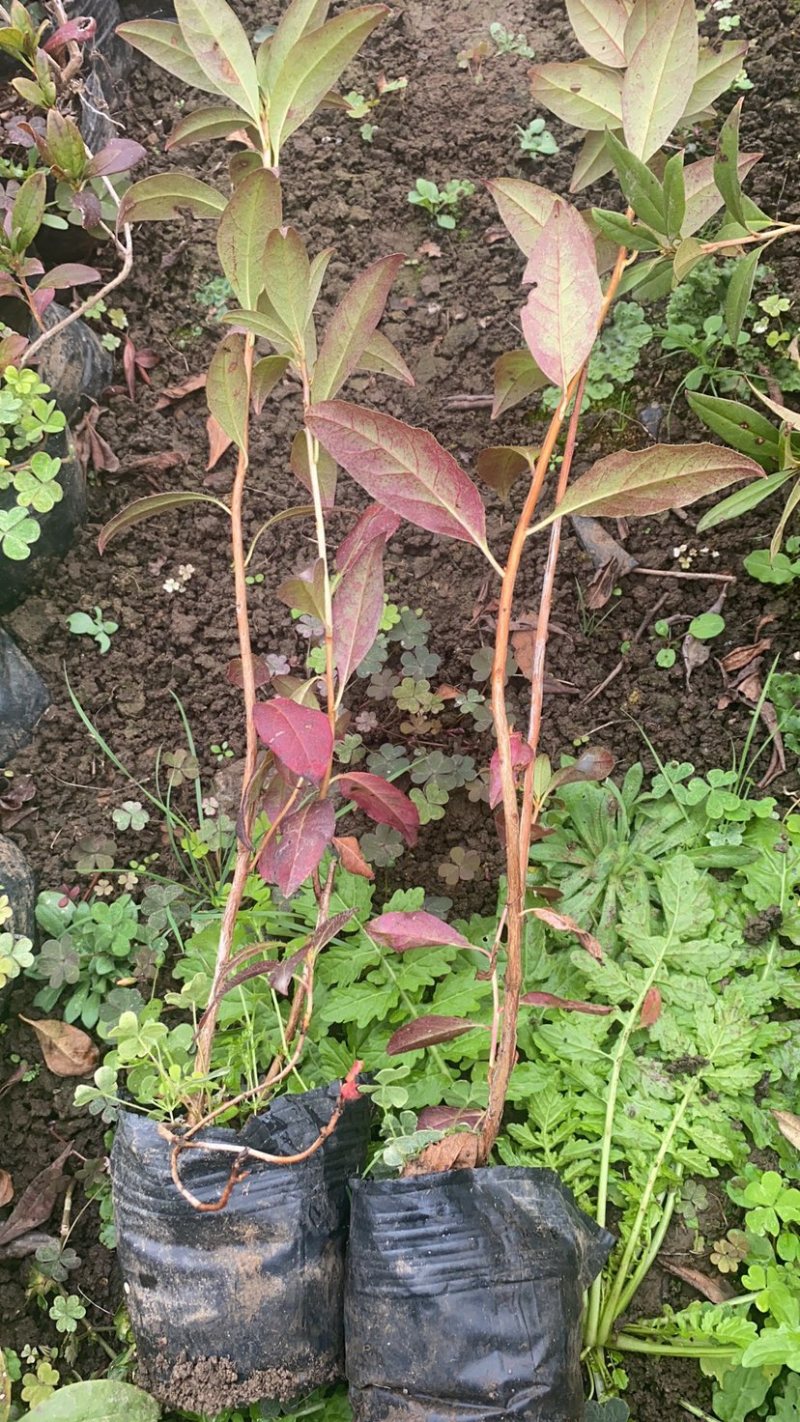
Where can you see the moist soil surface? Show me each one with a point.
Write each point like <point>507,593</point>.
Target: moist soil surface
<point>454,310</point>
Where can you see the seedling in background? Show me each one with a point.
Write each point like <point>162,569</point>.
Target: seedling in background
<point>99,627</point>
<point>536,141</point>
<point>707,626</point>
<point>666,655</point>
<point>359,107</point>
<point>221,752</point>
<point>443,204</point>
<point>506,42</point>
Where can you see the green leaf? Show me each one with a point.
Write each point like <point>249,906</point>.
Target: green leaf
<point>352,325</point>
<point>100,1400</point>
<point>381,357</point>
<point>742,1392</point>
<point>516,377</point>
<point>741,427</point>
<point>702,197</point>
<point>599,26</point>
<point>266,374</point>
<point>166,196</point>
<point>674,187</point>
<point>162,41</point>
<point>202,125</point>
<point>716,71</point>
<point>298,19</point>
<point>312,67</point>
<point>287,278</point>
<point>523,207</point>
<point>650,280</point>
<point>780,528</point>
<point>580,94</point>
<point>327,469</point>
<point>500,466</point>
<point>621,230</point>
<point>687,255</point>
<point>726,166</point>
<point>744,500</point>
<point>17,533</point>
<point>660,78</point>
<point>641,187</point>
<point>227,389</point>
<point>28,211</point>
<point>648,481</point>
<point>217,40</point>
<point>592,162</point>
<point>559,320</point>
<point>253,212</point>
<point>778,571</point>
<point>151,506</point>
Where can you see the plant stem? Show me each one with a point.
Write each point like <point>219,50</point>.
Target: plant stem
<point>651,1252</point>
<point>312,447</point>
<point>623,1343</point>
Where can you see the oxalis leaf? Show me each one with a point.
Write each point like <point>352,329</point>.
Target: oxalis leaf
<point>560,319</point>
<point>402,467</point>
<point>648,481</point>
<point>100,1400</point>
<point>660,78</point>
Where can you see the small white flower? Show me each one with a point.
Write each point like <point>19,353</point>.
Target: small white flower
<point>704,550</point>
<point>796,656</point>
<point>715,554</point>
<point>185,572</point>
<point>173,586</point>
<point>681,548</point>
<point>127,880</point>
<point>103,888</point>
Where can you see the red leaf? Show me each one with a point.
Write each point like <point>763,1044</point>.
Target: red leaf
<point>521,756</point>
<point>353,861</point>
<point>88,205</point>
<point>303,838</point>
<point>40,299</point>
<point>118,156</point>
<point>403,467</point>
<point>129,366</point>
<point>415,929</point>
<point>299,737</point>
<point>77,31</point>
<point>383,802</point>
<point>261,673</point>
<point>651,1008</point>
<point>441,1118</point>
<point>595,763</point>
<point>375,522</point>
<point>70,274</point>
<point>569,1004</point>
<point>427,1032</point>
<point>357,610</point>
<point>170,393</point>
<point>562,923</point>
<point>559,322</point>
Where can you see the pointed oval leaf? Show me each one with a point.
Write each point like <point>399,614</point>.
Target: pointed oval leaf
<point>286,274</point>
<point>349,851</point>
<point>168,195</point>
<point>376,522</point>
<point>516,377</point>
<point>640,186</point>
<point>659,78</point>
<point>415,929</point>
<point>203,125</point>
<point>560,319</point>
<point>744,499</point>
<point>298,19</point>
<point>568,1004</point>
<point>716,71</point>
<point>327,469</point>
<point>228,389</point>
<point>738,294</point>
<point>642,18</point>
<point>647,481</point>
<point>70,274</point>
<point>703,198</point>
<point>217,41</point>
<point>291,858</point>
<point>118,156</point>
<point>599,26</point>
<point>382,802</point>
<point>298,736</point>
<point>357,611</point>
<point>500,465</point>
<point>67,1051</point>
<point>789,1126</point>
<point>402,467</point>
<point>580,94</point>
<point>427,1032</point>
<point>381,357</point>
<point>787,416</point>
<point>523,207</point>
<point>562,923</point>
<point>651,1008</point>
<point>266,374</point>
<point>314,65</point>
<point>726,165</point>
<point>162,41</point>
<point>98,1400</point>
<point>351,326</point>
<point>251,215</point>
<point>150,507</point>
<point>521,756</point>
<point>595,763</point>
<point>593,161</point>
<point>28,210</point>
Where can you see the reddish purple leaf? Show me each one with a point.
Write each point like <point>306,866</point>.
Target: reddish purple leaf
<point>235,675</point>
<point>383,802</point>
<point>415,929</point>
<point>560,319</point>
<point>88,205</point>
<point>651,1008</point>
<point>77,31</point>
<point>70,274</point>
<point>427,1032</point>
<point>294,853</point>
<point>118,156</point>
<point>298,736</point>
<point>569,1004</point>
<point>41,299</point>
<point>441,1118</point>
<point>703,197</point>
<point>595,763</point>
<point>351,325</point>
<point>375,522</point>
<point>357,610</point>
<point>521,756</point>
<point>402,467</point>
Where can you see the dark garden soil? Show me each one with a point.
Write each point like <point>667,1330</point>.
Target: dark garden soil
<point>454,310</point>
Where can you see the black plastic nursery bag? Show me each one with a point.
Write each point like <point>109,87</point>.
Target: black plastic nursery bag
<point>464,1297</point>
<point>245,1303</point>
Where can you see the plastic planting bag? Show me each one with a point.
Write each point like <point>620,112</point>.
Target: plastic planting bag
<point>246,1302</point>
<point>464,1297</point>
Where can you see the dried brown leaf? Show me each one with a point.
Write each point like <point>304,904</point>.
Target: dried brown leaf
<point>6,1188</point>
<point>651,1008</point>
<point>218,442</point>
<point>741,657</point>
<point>458,1152</point>
<point>353,861</point>
<point>714,1290</point>
<point>789,1126</point>
<point>179,391</point>
<point>67,1050</point>
<point>35,1203</point>
<point>562,923</point>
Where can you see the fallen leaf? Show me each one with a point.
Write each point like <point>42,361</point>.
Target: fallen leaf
<point>171,393</point>
<point>429,249</point>
<point>261,672</point>
<point>741,657</point>
<point>789,1126</point>
<point>562,923</point>
<point>35,1203</point>
<point>712,1289</point>
<point>6,1188</point>
<point>159,463</point>
<point>695,654</point>
<point>26,1244</point>
<point>569,1004</point>
<point>67,1050</point>
<point>218,442</point>
<point>353,861</point>
<point>458,1152</point>
<point>16,1076</point>
<point>651,1008</point>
